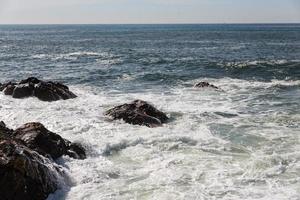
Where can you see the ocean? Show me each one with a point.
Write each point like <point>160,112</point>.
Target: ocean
<point>240,142</point>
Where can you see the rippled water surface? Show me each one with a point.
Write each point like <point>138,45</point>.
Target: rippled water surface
<point>241,142</point>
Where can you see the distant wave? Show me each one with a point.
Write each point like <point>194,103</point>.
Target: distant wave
<point>249,63</point>
<point>99,57</point>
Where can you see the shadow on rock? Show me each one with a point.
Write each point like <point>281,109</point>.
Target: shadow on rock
<point>27,169</point>
<point>138,112</point>
<point>43,90</point>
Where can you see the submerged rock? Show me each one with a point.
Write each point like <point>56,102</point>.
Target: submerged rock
<point>24,174</point>
<point>44,90</point>
<point>205,84</point>
<point>138,112</point>
<point>38,138</point>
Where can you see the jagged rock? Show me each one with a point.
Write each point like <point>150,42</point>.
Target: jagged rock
<point>44,90</point>
<point>138,112</point>
<point>24,174</point>
<point>22,91</point>
<point>27,170</point>
<point>4,85</point>
<point>205,84</point>
<point>50,91</point>
<point>3,128</point>
<point>38,138</point>
<point>32,80</point>
<point>4,131</point>
<point>75,150</point>
<point>9,90</point>
<point>2,125</point>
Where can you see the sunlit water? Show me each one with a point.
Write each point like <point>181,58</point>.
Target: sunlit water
<point>241,142</point>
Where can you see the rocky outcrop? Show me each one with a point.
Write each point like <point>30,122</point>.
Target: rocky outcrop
<point>38,138</point>
<point>27,169</point>
<point>205,85</point>
<point>24,174</point>
<point>138,112</point>
<point>44,90</point>
<point>75,150</point>
<point>4,131</point>
<point>7,88</point>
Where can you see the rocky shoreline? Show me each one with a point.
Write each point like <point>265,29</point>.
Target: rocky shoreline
<point>28,170</point>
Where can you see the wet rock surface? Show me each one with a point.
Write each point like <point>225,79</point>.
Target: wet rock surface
<point>4,131</point>
<point>24,174</point>
<point>138,112</point>
<point>27,169</point>
<point>43,90</point>
<point>45,142</point>
<point>75,150</point>
<point>205,85</point>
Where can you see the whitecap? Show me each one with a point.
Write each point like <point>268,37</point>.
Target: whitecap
<point>184,158</point>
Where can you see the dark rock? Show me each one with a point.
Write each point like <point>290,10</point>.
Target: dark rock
<point>4,131</point>
<point>38,138</point>
<point>2,125</point>
<point>22,91</point>
<point>139,113</point>
<point>44,90</point>
<point>25,171</point>
<point>9,90</point>
<point>4,85</point>
<point>32,80</point>
<point>205,84</point>
<point>24,174</point>
<point>50,91</point>
<point>75,150</point>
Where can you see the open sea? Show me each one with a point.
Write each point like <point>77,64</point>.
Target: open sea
<point>239,143</point>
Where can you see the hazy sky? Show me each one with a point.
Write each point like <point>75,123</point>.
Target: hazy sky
<point>148,11</point>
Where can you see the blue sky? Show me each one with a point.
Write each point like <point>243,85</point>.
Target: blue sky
<point>148,11</point>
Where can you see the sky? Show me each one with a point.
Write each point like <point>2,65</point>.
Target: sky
<point>148,11</point>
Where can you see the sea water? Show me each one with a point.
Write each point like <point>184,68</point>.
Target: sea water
<point>240,142</point>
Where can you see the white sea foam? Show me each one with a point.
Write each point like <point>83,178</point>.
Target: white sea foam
<point>213,148</point>
<point>104,58</point>
<point>247,63</point>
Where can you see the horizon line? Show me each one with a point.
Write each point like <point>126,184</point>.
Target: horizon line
<point>189,23</point>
